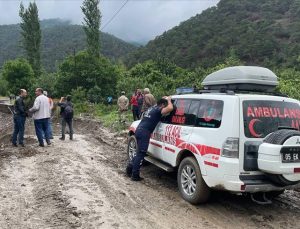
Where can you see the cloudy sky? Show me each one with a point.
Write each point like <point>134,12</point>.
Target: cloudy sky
<point>138,21</point>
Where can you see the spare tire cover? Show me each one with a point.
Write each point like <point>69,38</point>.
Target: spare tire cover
<point>279,138</point>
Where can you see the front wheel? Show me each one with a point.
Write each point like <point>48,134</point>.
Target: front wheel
<point>190,182</point>
<point>131,147</point>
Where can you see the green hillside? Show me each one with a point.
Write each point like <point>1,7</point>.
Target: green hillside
<point>263,32</point>
<point>59,39</point>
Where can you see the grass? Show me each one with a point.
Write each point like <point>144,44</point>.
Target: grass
<point>108,114</point>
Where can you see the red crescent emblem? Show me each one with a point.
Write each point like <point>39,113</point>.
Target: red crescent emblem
<point>251,128</point>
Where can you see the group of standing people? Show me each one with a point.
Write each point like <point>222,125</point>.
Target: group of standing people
<point>41,112</point>
<point>140,102</point>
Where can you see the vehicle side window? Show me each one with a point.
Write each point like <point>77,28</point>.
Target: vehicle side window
<point>191,117</point>
<point>210,113</point>
<point>167,119</point>
<point>180,115</point>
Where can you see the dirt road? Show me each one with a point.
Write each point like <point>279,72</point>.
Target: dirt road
<point>81,184</point>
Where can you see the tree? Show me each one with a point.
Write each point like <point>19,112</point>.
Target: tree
<point>3,86</point>
<point>31,36</point>
<point>18,74</point>
<point>91,25</point>
<point>86,71</point>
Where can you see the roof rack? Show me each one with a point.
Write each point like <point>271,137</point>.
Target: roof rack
<point>237,79</point>
<point>242,78</point>
<point>233,92</point>
<point>226,91</point>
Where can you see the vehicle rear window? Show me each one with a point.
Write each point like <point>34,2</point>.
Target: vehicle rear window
<point>264,117</point>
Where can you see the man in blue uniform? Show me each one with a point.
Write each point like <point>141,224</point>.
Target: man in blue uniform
<point>143,133</point>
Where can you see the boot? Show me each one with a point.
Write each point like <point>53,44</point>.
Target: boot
<point>71,137</point>
<point>129,171</point>
<point>62,138</point>
<point>136,177</point>
<point>48,142</point>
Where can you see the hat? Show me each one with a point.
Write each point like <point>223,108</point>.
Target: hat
<point>146,90</point>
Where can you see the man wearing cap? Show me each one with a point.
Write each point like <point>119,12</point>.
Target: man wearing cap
<point>19,119</point>
<point>123,103</point>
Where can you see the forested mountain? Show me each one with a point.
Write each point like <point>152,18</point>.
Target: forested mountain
<point>263,32</point>
<point>59,39</point>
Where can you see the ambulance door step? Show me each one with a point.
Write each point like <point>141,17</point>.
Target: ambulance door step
<point>159,164</point>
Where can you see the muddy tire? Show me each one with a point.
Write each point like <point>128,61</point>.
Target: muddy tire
<point>131,147</point>
<point>190,182</point>
<point>278,138</point>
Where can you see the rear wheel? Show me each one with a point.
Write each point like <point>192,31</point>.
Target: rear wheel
<point>190,182</point>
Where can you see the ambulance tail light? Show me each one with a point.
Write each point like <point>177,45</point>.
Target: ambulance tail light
<point>231,148</point>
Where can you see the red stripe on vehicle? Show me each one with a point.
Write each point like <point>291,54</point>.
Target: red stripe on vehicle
<point>155,144</point>
<point>296,170</point>
<point>169,149</point>
<point>203,149</point>
<point>197,148</point>
<point>211,164</point>
<point>132,129</point>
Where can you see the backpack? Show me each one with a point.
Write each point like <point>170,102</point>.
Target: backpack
<point>68,112</point>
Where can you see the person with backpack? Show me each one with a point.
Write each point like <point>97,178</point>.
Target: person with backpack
<point>67,114</point>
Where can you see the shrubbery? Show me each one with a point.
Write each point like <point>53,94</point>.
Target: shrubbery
<point>90,80</point>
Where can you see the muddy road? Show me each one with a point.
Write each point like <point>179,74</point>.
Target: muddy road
<point>81,184</point>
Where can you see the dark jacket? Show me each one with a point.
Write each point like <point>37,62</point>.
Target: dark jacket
<point>19,108</point>
<point>62,106</point>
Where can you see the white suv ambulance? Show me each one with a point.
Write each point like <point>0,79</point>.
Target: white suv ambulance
<point>236,135</point>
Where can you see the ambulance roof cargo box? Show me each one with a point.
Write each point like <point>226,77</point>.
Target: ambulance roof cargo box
<point>242,78</point>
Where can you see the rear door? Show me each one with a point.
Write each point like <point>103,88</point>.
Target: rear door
<point>260,117</point>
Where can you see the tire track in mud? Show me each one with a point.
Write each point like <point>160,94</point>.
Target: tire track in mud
<point>131,208</point>
<point>32,186</point>
<point>231,210</point>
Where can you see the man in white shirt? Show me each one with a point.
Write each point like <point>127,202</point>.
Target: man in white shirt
<point>41,115</point>
<point>51,115</point>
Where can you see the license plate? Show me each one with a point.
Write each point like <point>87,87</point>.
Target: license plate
<point>290,154</point>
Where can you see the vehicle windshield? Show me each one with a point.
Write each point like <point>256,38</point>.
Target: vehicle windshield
<point>263,117</point>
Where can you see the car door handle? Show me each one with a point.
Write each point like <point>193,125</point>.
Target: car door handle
<point>184,132</point>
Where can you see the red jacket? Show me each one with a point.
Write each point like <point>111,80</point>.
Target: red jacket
<point>133,101</point>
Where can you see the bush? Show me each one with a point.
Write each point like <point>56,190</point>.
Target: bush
<point>78,95</point>
<point>3,87</point>
<point>94,95</point>
<point>18,74</point>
